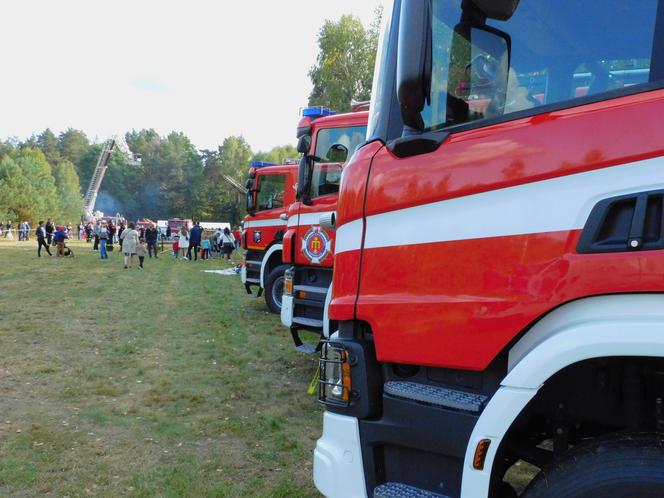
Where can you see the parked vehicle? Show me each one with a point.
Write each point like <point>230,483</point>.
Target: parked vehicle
<point>326,142</point>
<point>498,280</point>
<point>270,190</point>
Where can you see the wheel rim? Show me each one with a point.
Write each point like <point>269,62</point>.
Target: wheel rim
<point>278,291</point>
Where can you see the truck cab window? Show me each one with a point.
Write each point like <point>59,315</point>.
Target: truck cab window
<point>271,191</point>
<point>334,146</point>
<point>560,50</point>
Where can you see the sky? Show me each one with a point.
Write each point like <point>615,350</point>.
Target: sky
<point>207,68</point>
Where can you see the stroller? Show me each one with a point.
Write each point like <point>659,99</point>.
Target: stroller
<point>68,251</point>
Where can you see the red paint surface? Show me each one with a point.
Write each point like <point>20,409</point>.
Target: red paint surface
<point>459,304</point>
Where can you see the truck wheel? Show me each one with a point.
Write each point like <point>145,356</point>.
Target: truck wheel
<point>274,288</point>
<point>622,466</point>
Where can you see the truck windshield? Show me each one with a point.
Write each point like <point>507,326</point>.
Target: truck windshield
<point>271,191</point>
<point>334,146</point>
<point>561,50</point>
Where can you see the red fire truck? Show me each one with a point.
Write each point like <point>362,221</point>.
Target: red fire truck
<point>270,190</point>
<point>326,142</point>
<point>499,268</point>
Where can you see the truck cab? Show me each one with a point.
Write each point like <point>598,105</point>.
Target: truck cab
<point>327,142</point>
<point>270,191</point>
<point>498,283</point>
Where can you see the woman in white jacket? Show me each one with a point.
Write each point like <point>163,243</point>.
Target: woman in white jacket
<point>129,240</point>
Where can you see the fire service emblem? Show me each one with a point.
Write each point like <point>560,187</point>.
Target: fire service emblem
<point>258,236</point>
<point>316,244</point>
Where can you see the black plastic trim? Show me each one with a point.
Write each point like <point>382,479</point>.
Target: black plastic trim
<point>422,143</point>
<point>625,223</point>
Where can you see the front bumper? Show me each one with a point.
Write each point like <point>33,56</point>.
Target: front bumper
<point>287,310</point>
<point>338,469</point>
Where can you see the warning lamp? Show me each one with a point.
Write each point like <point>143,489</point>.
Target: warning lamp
<point>288,282</point>
<point>480,454</point>
<point>261,164</point>
<point>334,386</point>
<point>317,112</point>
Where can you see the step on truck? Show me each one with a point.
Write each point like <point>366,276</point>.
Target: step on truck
<point>326,142</point>
<point>270,191</point>
<point>499,265</point>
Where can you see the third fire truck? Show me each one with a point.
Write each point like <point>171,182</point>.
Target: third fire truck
<point>326,142</point>
<point>270,190</point>
<point>499,263</point>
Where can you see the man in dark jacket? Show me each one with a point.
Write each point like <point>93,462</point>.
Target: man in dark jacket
<point>195,240</point>
<point>151,239</point>
<point>41,240</point>
<point>50,228</point>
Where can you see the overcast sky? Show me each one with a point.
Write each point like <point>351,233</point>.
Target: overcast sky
<point>209,68</point>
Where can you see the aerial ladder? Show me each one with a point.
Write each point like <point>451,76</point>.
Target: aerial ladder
<point>100,170</point>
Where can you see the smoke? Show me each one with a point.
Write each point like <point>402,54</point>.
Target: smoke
<point>108,204</point>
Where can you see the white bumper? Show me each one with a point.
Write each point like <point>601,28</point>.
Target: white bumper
<point>338,471</point>
<point>243,274</point>
<point>287,310</point>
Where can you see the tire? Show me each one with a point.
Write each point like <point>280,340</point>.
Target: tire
<point>620,466</point>
<point>274,288</point>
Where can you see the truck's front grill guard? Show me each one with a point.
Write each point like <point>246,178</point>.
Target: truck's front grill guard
<point>324,363</point>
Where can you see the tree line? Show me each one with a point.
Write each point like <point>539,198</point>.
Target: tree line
<point>46,175</point>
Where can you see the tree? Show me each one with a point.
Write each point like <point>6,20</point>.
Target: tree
<point>72,145</point>
<point>69,192</point>
<point>48,143</point>
<point>346,58</point>
<point>278,154</point>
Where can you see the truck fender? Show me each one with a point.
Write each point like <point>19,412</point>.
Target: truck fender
<point>594,327</point>
<point>266,260</point>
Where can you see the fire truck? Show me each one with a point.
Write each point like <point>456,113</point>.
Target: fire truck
<point>270,190</point>
<point>326,141</point>
<point>499,264</point>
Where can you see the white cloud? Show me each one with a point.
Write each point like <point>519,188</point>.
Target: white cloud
<point>208,68</point>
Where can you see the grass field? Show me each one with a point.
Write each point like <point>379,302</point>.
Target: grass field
<point>167,382</point>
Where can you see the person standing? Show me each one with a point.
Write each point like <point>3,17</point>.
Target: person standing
<point>183,242</point>
<point>103,239</point>
<point>195,240</point>
<point>141,250</point>
<point>41,240</point>
<point>95,231</point>
<point>228,243</point>
<point>49,231</point>
<point>151,239</point>
<point>238,235</point>
<point>26,227</point>
<point>129,238</point>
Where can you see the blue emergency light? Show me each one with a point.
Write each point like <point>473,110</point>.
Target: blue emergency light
<point>261,164</point>
<point>317,112</point>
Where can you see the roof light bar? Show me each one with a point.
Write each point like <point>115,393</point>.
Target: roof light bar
<point>317,112</point>
<point>261,164</point>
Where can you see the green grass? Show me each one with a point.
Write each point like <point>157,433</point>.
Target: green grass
<point>168,382</point>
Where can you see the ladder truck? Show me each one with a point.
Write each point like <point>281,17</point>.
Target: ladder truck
<point>498,283</point>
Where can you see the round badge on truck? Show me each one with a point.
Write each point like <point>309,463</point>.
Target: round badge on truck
<point>316,244</point>
<point>258,236</point>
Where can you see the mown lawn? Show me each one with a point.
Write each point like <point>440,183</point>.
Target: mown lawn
<point>167,382</point>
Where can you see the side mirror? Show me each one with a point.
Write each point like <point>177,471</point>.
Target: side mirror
<point>500,10</point>
<point>338,153</point>
<point>414,61</point>
<point>303,144</point>
<point>251,204</point>
<point>302,192</point>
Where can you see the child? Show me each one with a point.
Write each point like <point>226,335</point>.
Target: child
<point>206,248</point>
<point>176,248</point>
<point>141,251</point>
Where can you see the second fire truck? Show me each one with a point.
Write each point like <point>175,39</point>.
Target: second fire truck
<point>326,141</point>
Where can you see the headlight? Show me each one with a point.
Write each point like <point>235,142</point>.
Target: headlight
<point>334,386</point>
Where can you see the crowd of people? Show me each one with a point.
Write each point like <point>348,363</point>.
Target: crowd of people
<point>140,241</point>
